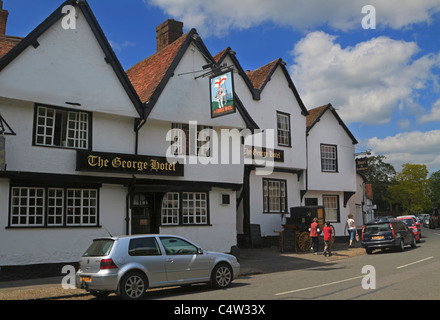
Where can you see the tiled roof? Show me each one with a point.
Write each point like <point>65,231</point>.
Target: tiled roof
<point>259,76</point>
<point>149,73</point>
<point>314,114</point>
<point>7,43</point>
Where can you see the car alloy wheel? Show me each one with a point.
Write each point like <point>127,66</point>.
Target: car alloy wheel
<point>222,276</point>
<point>133,286</point>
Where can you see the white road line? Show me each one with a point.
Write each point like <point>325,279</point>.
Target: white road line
<point>409,264</point>
<point>318,286</point>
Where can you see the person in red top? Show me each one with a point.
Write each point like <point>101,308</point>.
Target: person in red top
<point>327,239</point>
<point>314,235</point>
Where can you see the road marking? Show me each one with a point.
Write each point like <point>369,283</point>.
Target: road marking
<point>409,264</point>
<point>319,286</point>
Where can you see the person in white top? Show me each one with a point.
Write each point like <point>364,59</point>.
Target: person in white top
<point>351,227</point>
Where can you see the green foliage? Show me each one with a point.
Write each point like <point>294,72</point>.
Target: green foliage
<point>434,189</point>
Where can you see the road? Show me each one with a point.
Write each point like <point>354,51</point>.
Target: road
<point>412,274</point>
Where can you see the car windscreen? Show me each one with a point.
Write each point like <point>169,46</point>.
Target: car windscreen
<point>99,248</point>
<point>409,222</point>
<point>378,227</point>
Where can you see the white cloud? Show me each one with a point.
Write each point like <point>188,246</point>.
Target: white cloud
<point>365,82</point>
<point>219,18</point>
<point>433,116</point>
<point>412,147</point>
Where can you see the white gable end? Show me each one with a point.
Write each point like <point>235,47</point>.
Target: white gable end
<point>67,66</point>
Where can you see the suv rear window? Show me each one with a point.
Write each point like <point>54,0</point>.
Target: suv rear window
<point>375,228</point>
<point>99,248</point>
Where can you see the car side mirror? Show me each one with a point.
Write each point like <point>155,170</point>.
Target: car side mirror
<point>199,251</point>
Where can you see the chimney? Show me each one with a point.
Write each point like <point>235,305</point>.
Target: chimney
<point>3,19</point>
<point>168,32</point>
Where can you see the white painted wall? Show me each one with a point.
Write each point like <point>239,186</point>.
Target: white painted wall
<point>328,131</point>
<point>57,245</point>
<point>68,66</point>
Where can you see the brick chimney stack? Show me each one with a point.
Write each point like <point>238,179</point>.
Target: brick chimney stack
<point>168,32</point>
<point>3,19</point>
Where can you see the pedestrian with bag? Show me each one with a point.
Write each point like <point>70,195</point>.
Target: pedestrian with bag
<point>314,235</point>
<point>328,231</point>
<point>350,226</point>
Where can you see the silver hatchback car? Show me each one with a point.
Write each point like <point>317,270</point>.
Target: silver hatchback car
<point>129,265</point>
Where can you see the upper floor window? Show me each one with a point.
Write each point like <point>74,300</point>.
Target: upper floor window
<point>329,158</point>
<point>202,140</point>
<point>61,128</point>
<point>283,129</point>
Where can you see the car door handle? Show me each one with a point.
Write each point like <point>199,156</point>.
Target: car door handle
<point>170,260</point>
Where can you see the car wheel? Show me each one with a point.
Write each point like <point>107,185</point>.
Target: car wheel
<point>401,247</point>
<point>133,286</point>
<point>221,276</point>
<point>413,242</point>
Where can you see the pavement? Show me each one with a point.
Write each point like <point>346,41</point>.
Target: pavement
<point>253,261</point>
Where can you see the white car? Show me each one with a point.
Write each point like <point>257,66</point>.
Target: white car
<point>129,265</point>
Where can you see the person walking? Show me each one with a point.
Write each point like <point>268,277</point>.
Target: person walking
<point>314,235</point>
<point>350,226</point>
<point>328,239</point>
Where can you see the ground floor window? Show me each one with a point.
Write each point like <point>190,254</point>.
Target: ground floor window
<point>53,207</point>
<point>331,205</point>
<point>185,208</point>
<point>274,196</point>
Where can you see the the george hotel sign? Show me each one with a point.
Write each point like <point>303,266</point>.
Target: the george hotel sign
<point>126,163</point>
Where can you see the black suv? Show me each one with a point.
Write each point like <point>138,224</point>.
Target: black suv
<point>387,234</point>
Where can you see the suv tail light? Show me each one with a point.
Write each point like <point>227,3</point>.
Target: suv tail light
<point>108,264</point>
<point>392,230</point>
<point>363,229</point>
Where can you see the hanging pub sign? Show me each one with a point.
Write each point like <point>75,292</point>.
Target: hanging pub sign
<point>362,164</point>
<point>126,163</point>
<point>222,94</point>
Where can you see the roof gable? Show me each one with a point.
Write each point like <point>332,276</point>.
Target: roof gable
<point>315,116</point>
<point>110,57</point>
<point>261,76</point>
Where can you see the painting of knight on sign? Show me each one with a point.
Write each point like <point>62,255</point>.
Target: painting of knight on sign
<point>222,95</point>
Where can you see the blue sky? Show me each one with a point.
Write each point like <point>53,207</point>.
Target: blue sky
<point>384,82</point>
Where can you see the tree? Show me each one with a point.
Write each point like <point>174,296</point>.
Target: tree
<point>410,188</point>
<point>380,174</point>
<point>434,189</point>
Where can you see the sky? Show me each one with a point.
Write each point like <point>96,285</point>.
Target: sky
<point>376,61</point>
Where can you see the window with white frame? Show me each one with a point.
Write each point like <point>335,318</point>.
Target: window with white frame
<point>53,207</point>
<point>61,128</point>
<point>185,208</point>
<point>170,208</point>
<point>274,196</point>
<point>82,207</point>
<point>194,208</point>
<point>202,140</point>
<point>331,205</point>
<point>283,129</point>
<point>329,158</point>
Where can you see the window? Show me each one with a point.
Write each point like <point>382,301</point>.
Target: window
<point>53,207</point>
<point>283,129</point>
<point>202,141</point>
<point>185,208</point>
<point>143,247</point>
<point>194,208</point>
<point>61,128</point>
<point>329,158</point>
<point>274,196</point>
<point>170,209</point>
<point>331,205</point>
<point>177,246</point>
